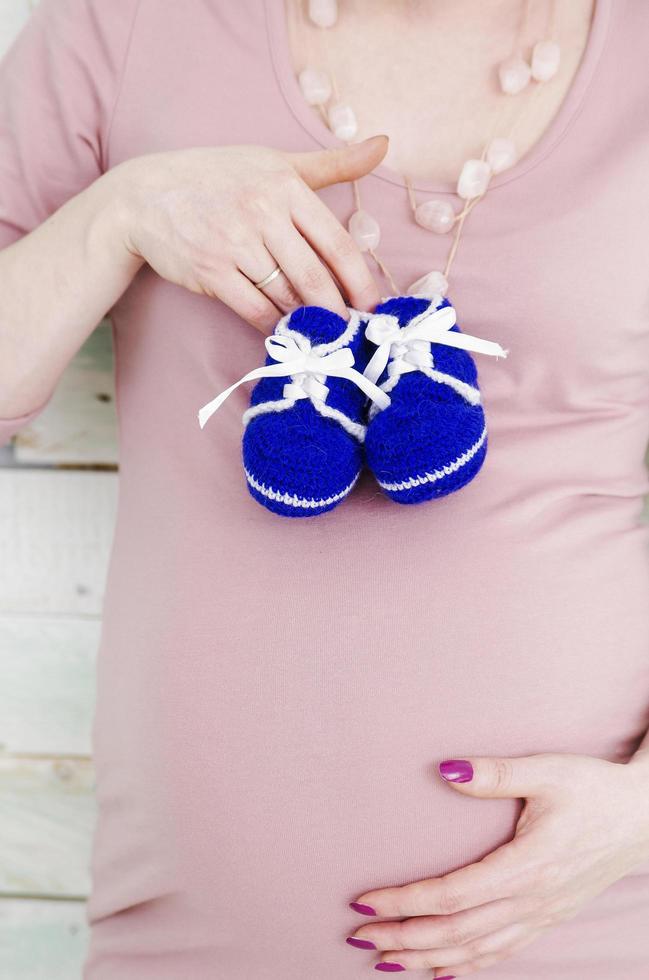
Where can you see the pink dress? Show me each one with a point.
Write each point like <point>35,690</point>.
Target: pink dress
<point>274,695</point>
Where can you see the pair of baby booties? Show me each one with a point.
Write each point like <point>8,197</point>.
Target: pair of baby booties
<point>395,390</point>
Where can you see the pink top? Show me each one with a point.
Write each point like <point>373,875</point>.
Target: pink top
<point>274,695</point>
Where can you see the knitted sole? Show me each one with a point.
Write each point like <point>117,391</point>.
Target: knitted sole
<point>425,486</point>
<point>301,446</point>
<point>290,505</point>
<point>431,440</point>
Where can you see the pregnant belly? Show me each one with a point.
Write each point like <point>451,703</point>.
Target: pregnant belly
<point>290,749</point>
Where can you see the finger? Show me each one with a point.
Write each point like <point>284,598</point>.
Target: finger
<point>490,948</point>
<point>319,168</point>
<point>303,268</point>
<point>240,295</point>
<point>431,932</point>
<point>509,776</point>
<point>258,263</point>
<point>281,292</point>
<point>475,884</point>
<point>322,229</point>
<point>462,968</point>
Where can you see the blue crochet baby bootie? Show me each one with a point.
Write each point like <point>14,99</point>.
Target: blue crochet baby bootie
<point>305,424</point>
<point>303,434</point>
<point>432,438</point>
<point>304,428</point>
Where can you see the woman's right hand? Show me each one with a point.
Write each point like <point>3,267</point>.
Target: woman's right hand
<point>216,220</point>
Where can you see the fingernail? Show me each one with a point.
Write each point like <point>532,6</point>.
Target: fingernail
<point>447,976</point>
<point>360,943</point>
<point>363,909</point>
<point>389,967</point>
<point>456,771</point>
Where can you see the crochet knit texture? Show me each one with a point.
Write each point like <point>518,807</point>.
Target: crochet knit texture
<point>299,457</point>
<point>431,440</point>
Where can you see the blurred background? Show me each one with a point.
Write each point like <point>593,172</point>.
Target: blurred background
<point>58,491</point>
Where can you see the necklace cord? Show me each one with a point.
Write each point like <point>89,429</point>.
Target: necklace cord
<point>517,49</point>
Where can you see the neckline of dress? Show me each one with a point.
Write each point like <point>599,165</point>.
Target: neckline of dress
<point>278,42</point>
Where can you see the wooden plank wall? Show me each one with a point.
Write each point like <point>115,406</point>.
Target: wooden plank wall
<point>57,514</point>
<point>58,494</point>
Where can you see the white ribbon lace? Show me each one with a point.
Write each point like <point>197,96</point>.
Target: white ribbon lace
<point>308,371</point>
<point>409,346</point>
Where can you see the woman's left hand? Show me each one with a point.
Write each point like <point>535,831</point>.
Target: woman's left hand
<point>584,825</point>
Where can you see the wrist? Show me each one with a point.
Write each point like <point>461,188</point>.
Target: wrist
<point>114,215</point>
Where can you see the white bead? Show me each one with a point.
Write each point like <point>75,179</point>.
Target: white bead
<point>342,121</point>
<point>501,154</point>
<point>323,13</point>
<point>473,179</point>
<point>433,284</point>
<point>435,215</point>
<point>514,74</point>
<point>315,85</point>
<point>365,230</point>
<point>546,56</point>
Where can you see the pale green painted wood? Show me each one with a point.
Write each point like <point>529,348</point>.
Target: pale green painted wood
<point>79,424</point>
<point>47,818</point>
<point>47,684</point>
<point>42,940</point>
<point>56,531</point>
<point>46,666</point>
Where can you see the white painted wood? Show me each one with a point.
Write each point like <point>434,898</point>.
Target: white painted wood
<point>56,530</point>
<point>7,455</point>
<point>47,817</point>
<point>13,15</point>
<point>42,940</point>
<point>52,523</point>
<point>79,425</point>
<point>47,684</point>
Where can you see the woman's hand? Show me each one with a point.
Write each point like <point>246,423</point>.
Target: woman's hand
<point>216,220</point>
<point>584,825</point>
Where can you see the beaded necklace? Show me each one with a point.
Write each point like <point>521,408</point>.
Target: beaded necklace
<point>516,75</point>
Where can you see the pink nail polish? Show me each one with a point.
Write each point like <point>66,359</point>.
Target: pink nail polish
<point>363,909</point>
<point>389,967</point>
<point>360,943</point>
<point>447,976</point>
<point>456,770</point>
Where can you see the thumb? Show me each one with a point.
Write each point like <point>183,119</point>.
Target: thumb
<point>495,776</point>
<point>319,168</point>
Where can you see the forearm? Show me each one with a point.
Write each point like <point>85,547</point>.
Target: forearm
<point>56,283</point>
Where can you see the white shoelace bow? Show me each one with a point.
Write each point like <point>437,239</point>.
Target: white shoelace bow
<point>409,346</point>
<point>308,371</point>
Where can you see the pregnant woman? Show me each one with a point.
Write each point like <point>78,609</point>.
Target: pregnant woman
<point>384,737</point>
